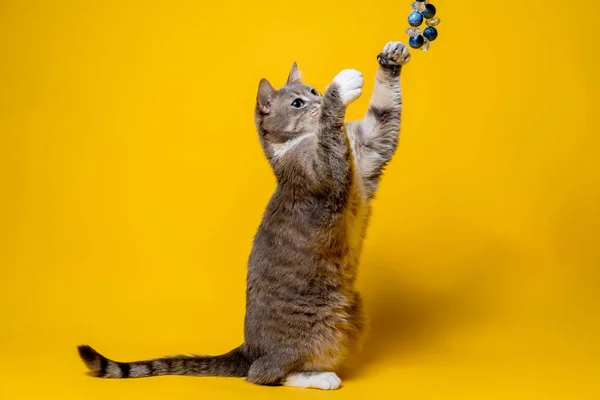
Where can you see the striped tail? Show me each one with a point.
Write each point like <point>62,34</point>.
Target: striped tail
<point>233,363</point>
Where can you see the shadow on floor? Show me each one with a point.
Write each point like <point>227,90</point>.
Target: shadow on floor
<point>406,320</point>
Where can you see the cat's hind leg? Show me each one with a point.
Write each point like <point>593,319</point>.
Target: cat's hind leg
<point>271,370</point>
<point>315,380</point>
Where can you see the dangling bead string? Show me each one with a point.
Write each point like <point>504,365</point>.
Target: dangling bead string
<point>422,10</point>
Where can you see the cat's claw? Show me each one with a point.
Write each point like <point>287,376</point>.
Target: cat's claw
<point>394,54</point>
<point>350,83</point>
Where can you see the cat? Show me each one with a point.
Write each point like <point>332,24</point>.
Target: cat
<point>303,315</point>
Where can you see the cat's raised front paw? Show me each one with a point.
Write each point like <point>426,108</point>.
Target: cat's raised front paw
<point>350,83</point>
<point>394,54</point>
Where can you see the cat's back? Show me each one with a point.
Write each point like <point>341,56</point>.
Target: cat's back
<point>286,233</point>
<point>302,242</point>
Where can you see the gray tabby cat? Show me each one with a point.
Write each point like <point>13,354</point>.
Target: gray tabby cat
<point>303,314</point>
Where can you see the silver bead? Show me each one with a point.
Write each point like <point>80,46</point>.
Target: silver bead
<point>433,21</point>
<point>413,32</point>
<point>418,6</point>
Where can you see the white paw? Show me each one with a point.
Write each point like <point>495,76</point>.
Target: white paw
<point>394,53</point>
<point>328,381</point>
<point>350,83</point>
<point>315,380</point>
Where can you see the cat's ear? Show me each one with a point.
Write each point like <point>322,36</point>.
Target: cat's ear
<point>294,75</point>
<point>265,95</point>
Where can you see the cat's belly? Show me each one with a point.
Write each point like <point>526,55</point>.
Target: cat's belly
<point>346,332</point>
<point>357,215</point>
<point>330,350</point>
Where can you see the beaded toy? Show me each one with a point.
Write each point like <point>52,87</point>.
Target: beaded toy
<point>422,10</point>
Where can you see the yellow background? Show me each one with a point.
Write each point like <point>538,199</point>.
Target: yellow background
<point>132,182</point>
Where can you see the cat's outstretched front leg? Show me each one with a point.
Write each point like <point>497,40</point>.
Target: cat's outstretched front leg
<point>333,163</point>
<point>375,138</point>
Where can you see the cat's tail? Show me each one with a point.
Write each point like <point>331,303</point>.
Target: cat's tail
<point>233,363</point>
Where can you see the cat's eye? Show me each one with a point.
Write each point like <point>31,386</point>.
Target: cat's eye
<point>298,103</point>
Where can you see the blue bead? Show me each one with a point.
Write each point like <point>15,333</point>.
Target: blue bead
<point>416,42</point>
<point>430,33</point>
<point>420,1</point>
<point>429,11</point>
<point>415,19</point>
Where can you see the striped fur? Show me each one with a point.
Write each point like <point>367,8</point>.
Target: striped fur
<point>232,364</point>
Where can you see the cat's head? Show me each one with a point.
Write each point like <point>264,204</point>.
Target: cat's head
<point>284,114</point>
